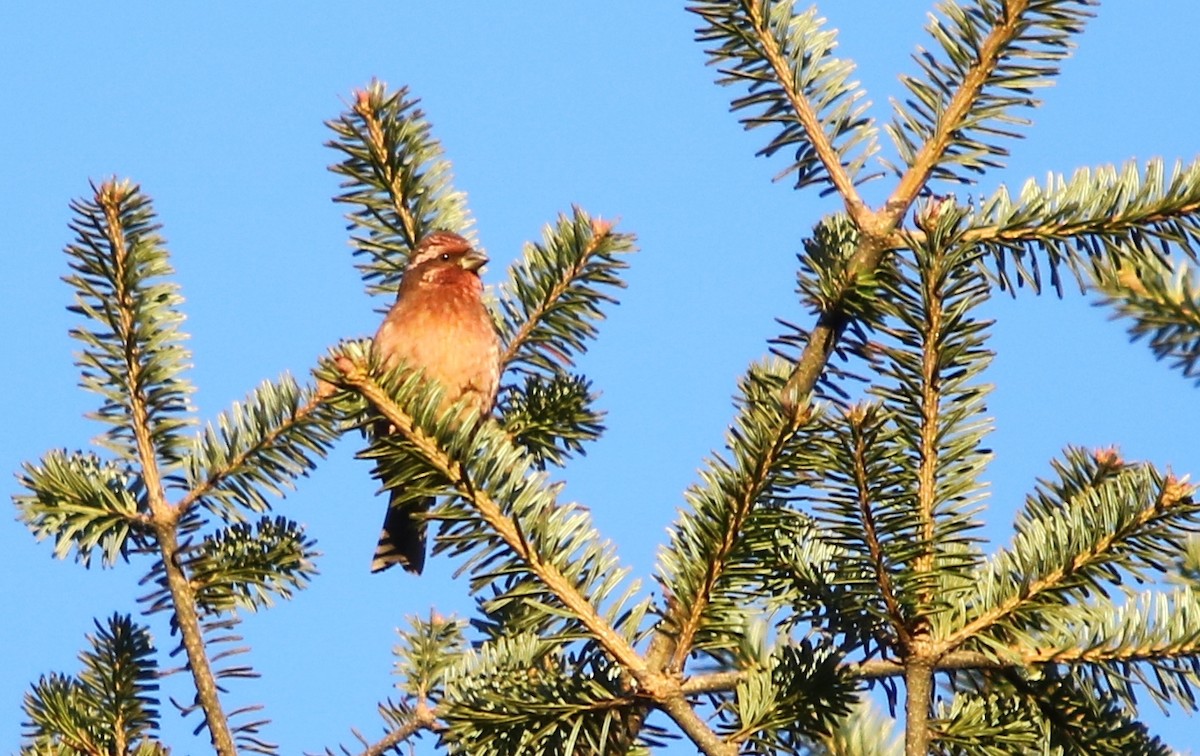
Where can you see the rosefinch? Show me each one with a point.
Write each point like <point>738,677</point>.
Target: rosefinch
<point>439,324</point>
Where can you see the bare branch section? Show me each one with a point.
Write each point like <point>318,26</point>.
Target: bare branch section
<point>423,718</point>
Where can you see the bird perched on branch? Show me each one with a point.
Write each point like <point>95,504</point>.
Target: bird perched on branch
<point>440,325</point>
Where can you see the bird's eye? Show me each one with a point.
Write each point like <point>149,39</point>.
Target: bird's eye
<point>445,257</point>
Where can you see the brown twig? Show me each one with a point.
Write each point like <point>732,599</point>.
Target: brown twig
<point>424,717</point>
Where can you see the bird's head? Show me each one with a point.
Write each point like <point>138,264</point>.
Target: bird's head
<point>442,250</point>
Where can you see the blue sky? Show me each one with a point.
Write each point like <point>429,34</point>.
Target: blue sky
<point>218,110</point>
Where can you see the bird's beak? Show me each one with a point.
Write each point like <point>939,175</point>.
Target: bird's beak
<point>473,260</point>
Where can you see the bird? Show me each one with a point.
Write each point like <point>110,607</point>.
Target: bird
<point>440,325</point>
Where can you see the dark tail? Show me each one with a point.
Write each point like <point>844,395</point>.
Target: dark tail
<point>402,541</point>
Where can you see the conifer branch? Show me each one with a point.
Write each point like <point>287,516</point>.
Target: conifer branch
<point>398,179</point>
<point>551,417</point>
<point>954,114</point>
<point>704,540</point>
<point>1072,717</point>
<point>524,692</point>
<point>693,612</point>
<point>995,53</point>
<point>1095,221</point>
<point>83,503</point>
<point>950,661</point>
<point>661,689</point>
<point>1167,651</point>
<point>786,60</point>
<point>357,378</point>
<point>109,707</point>
<point>879,568</point>
<point>932,358</point>
<point>553,296</point>
<point>242,566</point>
<point>1121,520</point>
<point>266,442</point>
<point>150,366</point>
<point>132,352</point>
<point>1163,302</point>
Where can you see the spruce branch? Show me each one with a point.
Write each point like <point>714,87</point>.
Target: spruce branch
<point>753,35</point>
<point>873,529</point>
<point>59,718</point>
<point>1097,223</point>
<point>514,514</point>
<point>548,311</point>
<point>521,694</point>
<point>879,229</point>
<point>243,565</point>
<point>187,619</point>
<point>988,722</point>
<point>258,446</point>
<point>132,358</point>
<point>918,692</point>
<point>994,53</point>
<point>795,84</point>
<point>932,354</point>
<point>500,468</point>
<point>1065,715</point>
<point>551,418</point>
<point>398,180</point>
<point>132,353</point>
<point>552,300</point>
<point>1070,652</point>
<point>826,281</point>
<point>1076,538</point>
<point>701,613</point>
<point>518,531</point>
<point>427,652</point>
<point>1162,299</point>
<point>84,503</point>
<point>1150,639</point>
<point>897,479</point>
<point>109,708</point>
<point>792,695</point>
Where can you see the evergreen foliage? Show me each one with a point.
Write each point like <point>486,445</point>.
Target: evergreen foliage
<point>109,707</point>
<point>396,179</point>
<point>156,492</point>
<point>830,548</point>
